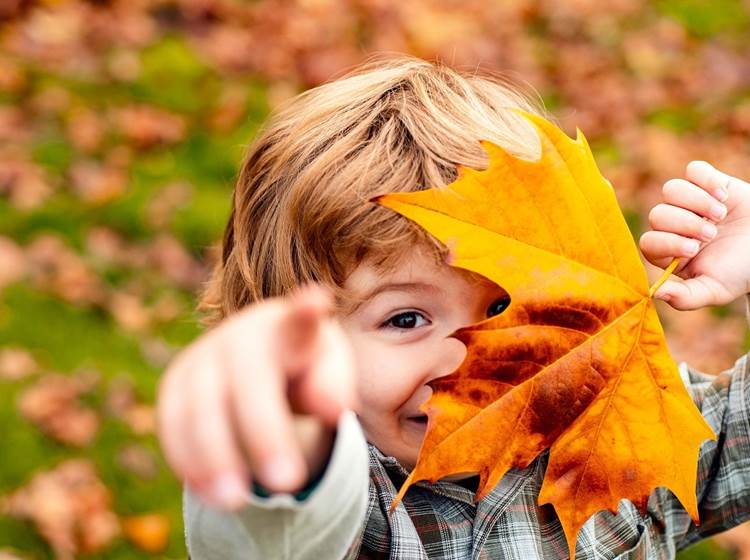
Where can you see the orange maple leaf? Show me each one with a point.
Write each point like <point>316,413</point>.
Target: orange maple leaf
<point>577,363</point>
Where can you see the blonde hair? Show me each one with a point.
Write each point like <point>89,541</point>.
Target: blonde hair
<point>301,209</point>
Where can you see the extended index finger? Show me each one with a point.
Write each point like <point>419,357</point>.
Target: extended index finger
<point>262,414</point>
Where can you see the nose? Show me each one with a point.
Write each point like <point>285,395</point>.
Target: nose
<point>451,354</point>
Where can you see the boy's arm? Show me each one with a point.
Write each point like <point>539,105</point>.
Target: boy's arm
<point>724,466</point>
<point>704,220</point>
<point>723,485</point>
<point>323,525</point>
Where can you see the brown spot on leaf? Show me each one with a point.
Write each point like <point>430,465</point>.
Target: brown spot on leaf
<point>567,315</point>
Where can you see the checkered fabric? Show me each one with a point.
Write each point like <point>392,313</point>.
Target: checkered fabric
<point>441,522</point>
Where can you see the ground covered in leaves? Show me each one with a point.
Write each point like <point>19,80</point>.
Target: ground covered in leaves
<point>121,127</point>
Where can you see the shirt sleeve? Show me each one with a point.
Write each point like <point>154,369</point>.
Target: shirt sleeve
<point>323,525</point>
<point>723,485</point>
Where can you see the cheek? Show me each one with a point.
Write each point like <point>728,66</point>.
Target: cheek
<point>388,375</point>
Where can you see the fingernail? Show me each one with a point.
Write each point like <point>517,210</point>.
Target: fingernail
<point>709,231</point>
<point>689,248</point>
<point>718,211</point>
<point>722,195</point>
<point>229,491</point>
<point>663,297</point>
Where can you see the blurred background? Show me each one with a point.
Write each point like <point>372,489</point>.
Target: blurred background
<point>122,123</point>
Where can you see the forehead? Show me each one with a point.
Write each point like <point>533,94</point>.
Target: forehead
<point>416,264</point>
<point>418,270</point>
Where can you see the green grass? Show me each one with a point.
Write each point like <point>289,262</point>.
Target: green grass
<point>676,119</point>
<point>64,337</point>
<point>708,19</point>
<point>705,550</point>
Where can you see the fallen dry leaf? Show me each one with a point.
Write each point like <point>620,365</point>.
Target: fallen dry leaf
<point>172,260</point>
<point>16,364</point>
<point>12,262</point>
<point>23,182</point>
<point>96,184</point>
<point>69,506</point>
<point>129,311</point>
<point>145,126</point>
<point>53,405</point>
<point>577,363</point>
<point>149,532</point>
<point>124,65</point>
<point>167,307</point>
<point>157,352</point>
<point>141,418</point>
<point>122,403</point>
<point>166,202</point>
<point>11,555</point>
<point>13,77</point>
<point>13,124</point>
<point>139,460</point>
<point>86,129</point>
<point>230,109</point>
<point>120,396</point>
<point>56,268</point>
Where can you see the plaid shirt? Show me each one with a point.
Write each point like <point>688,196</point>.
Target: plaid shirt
<point>441,522</point>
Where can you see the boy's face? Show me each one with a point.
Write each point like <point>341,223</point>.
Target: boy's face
<point>400,336</point>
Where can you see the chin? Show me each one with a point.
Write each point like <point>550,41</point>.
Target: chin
<point>405,454</point>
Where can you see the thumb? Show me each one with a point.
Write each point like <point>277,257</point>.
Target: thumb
<point>685,295</point>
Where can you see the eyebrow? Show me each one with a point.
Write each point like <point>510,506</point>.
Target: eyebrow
<point>391,287</point>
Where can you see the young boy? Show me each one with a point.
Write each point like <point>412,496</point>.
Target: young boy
<point>262,402</point>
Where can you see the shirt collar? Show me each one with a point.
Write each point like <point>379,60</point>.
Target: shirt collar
<point>501,496</point>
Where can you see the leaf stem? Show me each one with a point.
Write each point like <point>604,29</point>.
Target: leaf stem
<point>663,278</point>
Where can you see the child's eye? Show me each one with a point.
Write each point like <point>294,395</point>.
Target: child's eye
<point>498,306</point>
<point>405,320</point>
